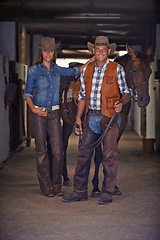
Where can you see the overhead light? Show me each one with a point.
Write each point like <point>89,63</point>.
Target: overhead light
<point>111,25</point>
<point>114,32</point>
<point>92,15</point>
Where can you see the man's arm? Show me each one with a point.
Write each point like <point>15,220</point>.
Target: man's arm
<point>81,107</point>
<point>118,106</point>
<point>126,98</point>
<point>125,91</point>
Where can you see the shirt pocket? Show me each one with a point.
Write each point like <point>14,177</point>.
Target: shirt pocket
<point>41,82</point>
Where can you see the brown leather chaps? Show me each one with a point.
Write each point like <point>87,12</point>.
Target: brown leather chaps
<point>44,128</point>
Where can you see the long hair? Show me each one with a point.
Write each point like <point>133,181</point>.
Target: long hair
<point>40,57</point>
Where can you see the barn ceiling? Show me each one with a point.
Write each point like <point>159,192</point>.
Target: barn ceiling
<point>75,22</point>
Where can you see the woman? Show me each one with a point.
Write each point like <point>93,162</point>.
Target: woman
<point>44,80</point>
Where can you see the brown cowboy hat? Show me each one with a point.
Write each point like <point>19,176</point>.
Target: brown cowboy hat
<point>102,41</point>
<point>47,43</point>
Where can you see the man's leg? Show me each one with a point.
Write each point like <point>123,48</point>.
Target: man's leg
<point>110,164</point>
<point>83,167</point>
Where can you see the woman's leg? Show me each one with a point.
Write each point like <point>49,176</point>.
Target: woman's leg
<point>55,138</point>
<point>39,131</point>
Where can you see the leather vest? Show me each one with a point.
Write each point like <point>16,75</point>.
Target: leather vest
<point>110,92</point>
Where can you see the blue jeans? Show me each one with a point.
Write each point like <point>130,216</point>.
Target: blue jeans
<point>94,122</point>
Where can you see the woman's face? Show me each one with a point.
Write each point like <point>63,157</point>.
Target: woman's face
<point>47,55</point>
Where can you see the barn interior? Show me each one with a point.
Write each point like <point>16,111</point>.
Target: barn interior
<point>74,23</point>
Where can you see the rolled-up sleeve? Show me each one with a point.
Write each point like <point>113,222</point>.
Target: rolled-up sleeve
<point>78,71</point>
<point>121,79</point>
<point>29,85</point>
<point>82,92</point>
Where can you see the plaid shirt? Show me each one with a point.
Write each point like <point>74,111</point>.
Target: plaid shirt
<point>97,79</point>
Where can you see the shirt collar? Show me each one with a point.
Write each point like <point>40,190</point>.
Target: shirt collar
<point>104,65</point>
<point>39,65</point>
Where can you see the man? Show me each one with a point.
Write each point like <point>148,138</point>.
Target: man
<point>102,85</point>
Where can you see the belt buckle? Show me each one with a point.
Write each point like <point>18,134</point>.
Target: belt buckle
<point>49,109</point>
<point>96,112</point>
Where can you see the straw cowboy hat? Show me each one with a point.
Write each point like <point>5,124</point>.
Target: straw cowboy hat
<point>47,43</point>
<point>102,41</point>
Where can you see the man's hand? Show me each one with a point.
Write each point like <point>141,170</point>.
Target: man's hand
<point>78,126</point>
<point>118,107</point>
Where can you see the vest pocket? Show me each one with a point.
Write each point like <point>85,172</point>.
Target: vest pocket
<point>110,101</point>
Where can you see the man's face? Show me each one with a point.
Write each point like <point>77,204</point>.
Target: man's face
<point>101,53</point>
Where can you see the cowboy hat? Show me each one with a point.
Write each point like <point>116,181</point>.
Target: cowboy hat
<point>102,41</point>
<point>47,43</point>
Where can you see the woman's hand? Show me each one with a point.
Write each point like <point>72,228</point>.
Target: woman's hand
<point>39,111</point>
<point>92,59</point>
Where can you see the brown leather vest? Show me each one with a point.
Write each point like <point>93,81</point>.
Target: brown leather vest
<point>110,92</point>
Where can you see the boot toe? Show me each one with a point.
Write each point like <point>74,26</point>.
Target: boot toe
<point>76,197</point>
<point>103,201</point>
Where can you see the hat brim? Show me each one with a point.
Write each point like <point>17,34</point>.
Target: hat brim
<point>48,48</point>
<point>112,46</point>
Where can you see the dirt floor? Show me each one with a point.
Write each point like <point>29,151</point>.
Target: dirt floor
<point>25,214</point>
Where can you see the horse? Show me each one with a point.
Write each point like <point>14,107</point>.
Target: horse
<point>137,68</point>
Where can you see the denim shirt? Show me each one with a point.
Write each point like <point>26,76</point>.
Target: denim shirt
<point>46,84</point>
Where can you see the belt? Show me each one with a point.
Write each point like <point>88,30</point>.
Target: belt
<point>48,109</point>
<point>95,111</point>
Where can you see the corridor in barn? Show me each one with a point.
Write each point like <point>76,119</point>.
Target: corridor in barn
<point>134,215</point>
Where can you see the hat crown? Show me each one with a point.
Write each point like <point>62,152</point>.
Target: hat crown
<point>101,40</point>
<point>47,42</point>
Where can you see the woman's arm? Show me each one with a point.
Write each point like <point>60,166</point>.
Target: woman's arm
<point>37,111</point>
